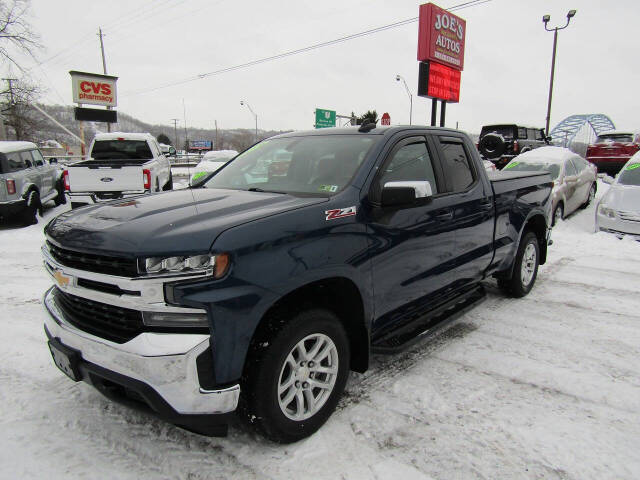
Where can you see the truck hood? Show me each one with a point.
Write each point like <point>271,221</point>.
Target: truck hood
<point>182,221</point>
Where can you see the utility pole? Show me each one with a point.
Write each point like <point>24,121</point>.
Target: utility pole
<point>186,138</point>
<point>104,65</point>
<point>175,131</point>
<point>216,122</point>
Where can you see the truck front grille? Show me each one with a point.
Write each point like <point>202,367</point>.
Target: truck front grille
<point>110,322</point>
<point>123,267</point>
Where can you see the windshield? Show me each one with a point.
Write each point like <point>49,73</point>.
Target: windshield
<point>529,166</point>
<point>618,137</point>
<point>630,175</point>
<point>505,130</point>
<point>321,165</point>
<point>121,149</point>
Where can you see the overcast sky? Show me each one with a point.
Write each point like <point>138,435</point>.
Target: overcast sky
<point>506,77</point>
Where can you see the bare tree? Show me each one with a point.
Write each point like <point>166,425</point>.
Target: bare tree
<point>16,34</point>
<point>20,117</point>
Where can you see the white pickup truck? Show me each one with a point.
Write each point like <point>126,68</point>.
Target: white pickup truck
<point>119,165</point>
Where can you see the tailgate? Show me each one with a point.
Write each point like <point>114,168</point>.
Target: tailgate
<point>105,179</point>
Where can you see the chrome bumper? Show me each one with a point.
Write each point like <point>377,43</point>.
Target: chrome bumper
<point>164,361</point>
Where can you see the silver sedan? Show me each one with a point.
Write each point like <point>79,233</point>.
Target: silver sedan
<point>619,209</point>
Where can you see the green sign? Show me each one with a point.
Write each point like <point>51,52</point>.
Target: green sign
<point>325,118</point>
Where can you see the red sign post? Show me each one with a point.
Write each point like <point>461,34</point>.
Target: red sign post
<point>441,36</point>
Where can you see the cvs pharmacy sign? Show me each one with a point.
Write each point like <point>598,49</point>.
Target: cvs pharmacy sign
<point>93,88</point>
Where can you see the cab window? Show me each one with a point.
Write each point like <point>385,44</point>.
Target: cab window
<point>27,158</point>
<point>522,133</point>
<point>38,160</point>
<point>456,165</point>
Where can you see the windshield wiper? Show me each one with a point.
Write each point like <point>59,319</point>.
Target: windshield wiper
<point>258,189</point>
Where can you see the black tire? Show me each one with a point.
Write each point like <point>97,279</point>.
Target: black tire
<point>30,213</point>
<point>518,285</point>
<point>266,361</point>
<point>590,197</point>
<point>558,214</point>
<point>492,146</point>
<point>60,198</point>
<point>169,185</point>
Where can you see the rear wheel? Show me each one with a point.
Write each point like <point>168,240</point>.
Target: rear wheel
<point>30,214</point>
<point>525,269</point>
<point>294,376</point>
<point>169,185</point>
<point>60,198</point>
<point>592,195</point>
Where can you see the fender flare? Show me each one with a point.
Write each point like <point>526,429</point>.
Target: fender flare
<point>507,272</point>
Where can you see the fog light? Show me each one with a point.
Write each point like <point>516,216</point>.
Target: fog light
<point>175,319</point>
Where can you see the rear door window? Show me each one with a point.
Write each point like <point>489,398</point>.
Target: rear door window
<point>27,158</point>
<point>522,133</point>
<point>569,169</point>
<point>15,162</point>
<point>456,165</point>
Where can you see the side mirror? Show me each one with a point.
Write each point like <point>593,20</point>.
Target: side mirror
<point>607,179</point>
<point>404,192</point>
<point>53,161</point>
<point>549,139</point>
<point>172,151</point>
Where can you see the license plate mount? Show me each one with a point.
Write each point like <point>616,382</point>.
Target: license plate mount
<point>66,359</point>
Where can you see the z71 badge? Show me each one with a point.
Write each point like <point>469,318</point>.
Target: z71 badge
<point>340,213</point>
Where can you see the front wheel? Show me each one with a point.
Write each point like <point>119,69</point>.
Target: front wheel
<point>525,269</point>
<point>30,213</point>
<point>295,376</point>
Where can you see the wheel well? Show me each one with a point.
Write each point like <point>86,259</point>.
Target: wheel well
<point>339,295</point>
<point>538,225</point>
<point>30,188</point>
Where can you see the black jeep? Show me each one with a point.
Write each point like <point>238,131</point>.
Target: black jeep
<point>500,143</point>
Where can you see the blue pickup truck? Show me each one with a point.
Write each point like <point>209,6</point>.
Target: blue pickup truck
<point>260,290</point>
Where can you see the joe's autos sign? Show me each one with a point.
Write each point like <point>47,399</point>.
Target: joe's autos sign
<point>441,36</point>
<point>93,88</point>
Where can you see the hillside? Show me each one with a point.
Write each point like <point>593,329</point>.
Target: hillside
<point>235,139</point>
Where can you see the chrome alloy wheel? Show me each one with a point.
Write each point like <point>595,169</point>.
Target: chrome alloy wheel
<point>308,376</point>
<point>528,264</point>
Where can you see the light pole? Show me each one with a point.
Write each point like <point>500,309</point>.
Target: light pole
<point>398,78</point>
<point>242,102</point>
<point>545,20</point>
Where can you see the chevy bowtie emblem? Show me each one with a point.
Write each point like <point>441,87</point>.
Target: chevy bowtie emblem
<point>61,279</point>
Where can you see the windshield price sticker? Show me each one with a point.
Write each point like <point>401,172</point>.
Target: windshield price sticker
<point>511,165</point>
<point>328,188</point>
<point>634,166</point>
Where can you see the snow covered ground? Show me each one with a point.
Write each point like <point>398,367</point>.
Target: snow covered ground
<point>543,387</point>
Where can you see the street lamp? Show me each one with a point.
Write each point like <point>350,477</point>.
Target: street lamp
<point>242,102</point>
<point>398,78</point>
<point>545,20</point>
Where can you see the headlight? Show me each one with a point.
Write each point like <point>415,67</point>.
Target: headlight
<point>216,265</point>
<point>606,211</point>
<point>171,319</point>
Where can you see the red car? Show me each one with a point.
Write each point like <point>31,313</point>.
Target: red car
<point>612,149</point>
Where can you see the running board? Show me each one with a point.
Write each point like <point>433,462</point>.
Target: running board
<point>429,323</point>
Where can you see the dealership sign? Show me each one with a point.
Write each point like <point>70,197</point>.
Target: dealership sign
<point>439,81</point>
<point>93,88</point>
<point>441,36</point>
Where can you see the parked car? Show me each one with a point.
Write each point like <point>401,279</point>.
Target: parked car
<point>618,211</point>
<point>274,288</point>
<point>612,150</point>
<point>500,143</point>
<point>120,165</point>
<point>27,181</point>
<point>211,162</point>
<point>574,179</point>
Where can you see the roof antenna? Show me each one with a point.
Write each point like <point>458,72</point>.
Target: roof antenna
<point>367,126</point>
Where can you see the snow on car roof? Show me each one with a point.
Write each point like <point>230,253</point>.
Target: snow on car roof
<point>125,135</point>
<point>9,146</point>
<point>219,154</point>
<point>548,154</point>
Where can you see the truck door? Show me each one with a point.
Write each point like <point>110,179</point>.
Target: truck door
<point>471,198</point>
<point>412,247</point>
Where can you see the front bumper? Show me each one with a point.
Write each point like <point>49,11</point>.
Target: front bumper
<point>618,226</point>
<point>159,368</point>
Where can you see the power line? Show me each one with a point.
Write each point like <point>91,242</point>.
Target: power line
<point>460,6</point>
